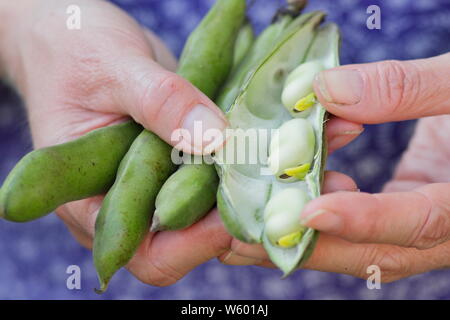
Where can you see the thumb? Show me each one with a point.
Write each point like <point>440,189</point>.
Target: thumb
<point>170,106</point>
<point>386,91</point>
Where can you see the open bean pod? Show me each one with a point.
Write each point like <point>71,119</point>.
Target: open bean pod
<point>261,202</point>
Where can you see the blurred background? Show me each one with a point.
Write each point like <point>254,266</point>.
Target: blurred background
<point>34,256</point>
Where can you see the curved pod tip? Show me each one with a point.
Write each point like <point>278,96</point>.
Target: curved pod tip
<point>156,226</point>
<point>103,287</point>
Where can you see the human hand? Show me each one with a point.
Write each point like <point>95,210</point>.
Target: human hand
<point>97,76</point>
<point>406,229</point>
<point>74,81</point>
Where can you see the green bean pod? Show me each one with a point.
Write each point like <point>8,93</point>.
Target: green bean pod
<point>47,178</point>
<point>205,62</point>
<point>123,219</point>
<point>207,57</point>
<point>195,188</point>
<point>178,210</point>
<point>244,42</point>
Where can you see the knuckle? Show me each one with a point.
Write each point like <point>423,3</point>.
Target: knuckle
<point>436,226</point>
<point>368,229</point>
<point>392,262</point>
<point>161,275</point>
<point>219,239</point>
<point>158,91</point>
<point>396,86</point>
<point>434,231</point>
<point>221,242</point>
<point>366,258</point>
<point>171,82</point>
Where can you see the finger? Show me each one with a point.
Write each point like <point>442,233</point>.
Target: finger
<point>419,218</point>
<point>337,255</point>
<point>233,259</point>
<point>341,132</point>
<point>165,257</point>
<point>168,105</point>
<point>81,214</point>
<point>248,250</point>
<point>81,237</point>
<point>336,181</point>
<point>386,91</point>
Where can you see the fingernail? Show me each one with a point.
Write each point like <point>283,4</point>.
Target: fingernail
<point>205,128</point>
<point>234,259</point>
<point>228,256</point>
<point>351,132</point>
<point>340,86</point>
<point>322,220</point>
<point>342,138</point>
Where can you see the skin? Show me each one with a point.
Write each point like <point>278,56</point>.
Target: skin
<point>87,86</point>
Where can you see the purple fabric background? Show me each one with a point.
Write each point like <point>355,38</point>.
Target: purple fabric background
<point>34,256</point>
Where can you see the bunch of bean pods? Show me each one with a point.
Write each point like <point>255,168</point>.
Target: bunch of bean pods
<point>263,82</point>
